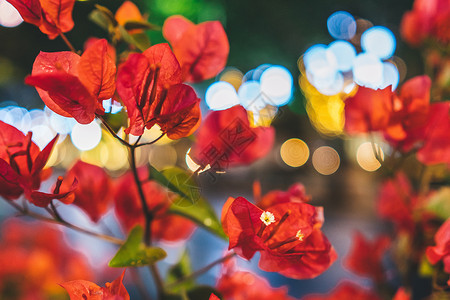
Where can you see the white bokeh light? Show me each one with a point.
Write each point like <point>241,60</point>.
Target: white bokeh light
<point>221,95</point>
<point>379,41</point>
<point>250,96</point>
<point>345,53</point>
<point>276,85</point>
<point>368,70</point>
<point>391,76</point>
<point>341,25</point>
<point>86,137</point>
<point>9,16</point>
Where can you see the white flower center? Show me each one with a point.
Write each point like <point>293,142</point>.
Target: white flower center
<point>267,218</point>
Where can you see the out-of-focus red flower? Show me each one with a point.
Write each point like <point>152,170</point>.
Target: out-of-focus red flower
<point>410,113</point>
<point>295,193</point>
<point>344,291</point>
<point>202,49</point>
<point>368,110</point>
<point>234,284</point>
<point>75,86</point>
<point>34,258</point>
<point>51,16</point>
<point>442,249</point>
<point>396,202</point>
<point>226,139</point>
<point>128,11</point>
<point>93,191</point>
<point>427,19</point>
<point>402,294</point>
<point>86,290</point>
<point>22,168</point>
<point>213,297</point>
<point>287,235</point>
<point>149,85</point>
<point>128,209</point>
<point>365,257</point>
<point>436,147</point>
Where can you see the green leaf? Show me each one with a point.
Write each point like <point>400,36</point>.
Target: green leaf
<point>134,253</point>
<point>178,271</point>
<point>103,17</point>
<point>189,202</point>
<point>139,40</point>
<point>439,203</point>
<point>162,180</point>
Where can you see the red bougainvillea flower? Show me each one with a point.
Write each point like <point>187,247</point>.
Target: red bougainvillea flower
<point>128,208</point>
<point>402,294</point>
<point>442,249</point>
<point>86,290</point>
<point>365,258</point>
<point>92,194</point>
<point>213,297</point>
<point>344,291</point>
<point>436,147</point>
<point>34,258</point>
<point>127,12</point>
<point>429,18</point>
<point>22,168</point>
<point>287,235</point>
<point>368,110</point>
<point>295,193</point>
<point>75,86</point>
<point>396,202</point>
<point>53,17</point>
<point>410,113</point>
<point>225,139</point>
<point>149,85</point>
<point>202,49</point>
<point>235,284</point>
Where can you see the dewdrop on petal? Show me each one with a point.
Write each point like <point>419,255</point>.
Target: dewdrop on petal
<point>267,218</point>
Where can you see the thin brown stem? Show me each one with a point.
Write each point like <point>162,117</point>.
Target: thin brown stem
<point>37,216</point>
<point>122,141</point>
<point>150,143</point>
<point>202,270</point>
<point>68,43</point>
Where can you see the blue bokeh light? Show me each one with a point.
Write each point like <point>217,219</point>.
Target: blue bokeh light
<point>341,25</point>
<point>345,53</point>
<point>221,95</point>
<point>378,41</point>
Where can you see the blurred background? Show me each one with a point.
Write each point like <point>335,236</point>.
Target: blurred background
<point>337,172</point>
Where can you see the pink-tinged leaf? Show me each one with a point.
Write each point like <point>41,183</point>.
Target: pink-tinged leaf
<point>202,51</point>
<point>174,27</point>
<point>42,199</point>
<point>169,68</point>
<point>68,93</point>
<point>57,17</point>
<point>43,156</point>
<point>47,62</point>
<point>93,191</point>
<point>30,10</point>
<point>10,182</point>
<point>116,288</point>
<point>180,112</point>
<point>97,70</point>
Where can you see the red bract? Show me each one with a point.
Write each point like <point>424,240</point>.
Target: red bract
<point>202,49</point>
<point>128,11</point>
<point>93,191</point>
<point>368,110</point>
<point>22,168</point>
<point>225,139</point>
<point>365,258</point>
<point>428,19</point>
<point>295,193</point>
<point>53,17</point>
<point>86,290</point>
<point>34,257</point>
<point>410,113</point>
<point>287,235</point>
<point>402,294</point>
<point>344,291</point>
<point>149,85</point>
<point>128,209</point>
<point>75,86</point>
<point>436,148</point>
<point>396,202</point>
<point>442,249</point>
<point>241,285</point>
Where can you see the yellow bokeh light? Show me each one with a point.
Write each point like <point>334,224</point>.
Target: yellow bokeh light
<point>366,158</point>
<point>162,156</point>
<point>233,76</point>
<point>294,152</point>
<point>326,160</point>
